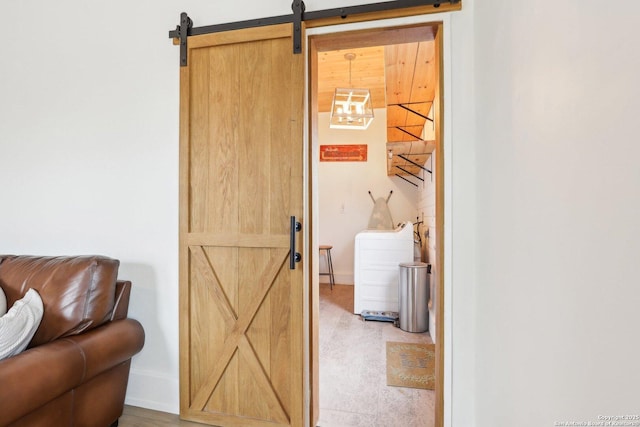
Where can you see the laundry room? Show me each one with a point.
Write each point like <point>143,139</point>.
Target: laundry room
<point>356,197</point>
<point>375,130</point>
<point>379,175</point>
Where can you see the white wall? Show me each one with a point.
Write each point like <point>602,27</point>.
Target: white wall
<point>427,197</point>
<point>344,202</point>
<point>558,199</point>
<point>427,211</point>
<point>88,155</point>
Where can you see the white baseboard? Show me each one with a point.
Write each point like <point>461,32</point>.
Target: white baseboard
<point>340,278</point>
<point>153,390</point>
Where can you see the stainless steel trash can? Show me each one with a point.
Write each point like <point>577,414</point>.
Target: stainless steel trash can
<point>413,296</point>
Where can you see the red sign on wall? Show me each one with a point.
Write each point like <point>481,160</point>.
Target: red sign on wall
<point>343,153</point>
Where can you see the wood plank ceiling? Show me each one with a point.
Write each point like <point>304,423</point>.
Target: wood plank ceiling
<point>401,77</point>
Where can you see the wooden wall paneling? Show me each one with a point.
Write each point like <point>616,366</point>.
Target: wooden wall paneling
<point>399,68</point>
<point>423,88</point>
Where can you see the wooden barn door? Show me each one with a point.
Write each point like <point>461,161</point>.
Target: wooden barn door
<point>241,180</point>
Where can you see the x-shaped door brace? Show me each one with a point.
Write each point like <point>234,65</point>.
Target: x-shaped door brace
<point>237,337</point>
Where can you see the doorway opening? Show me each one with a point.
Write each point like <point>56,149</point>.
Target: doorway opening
<point>404,151</point>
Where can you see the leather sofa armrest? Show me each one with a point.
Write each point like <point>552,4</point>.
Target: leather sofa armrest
<point>36,376</point>
<point>40,374</point>
<point>109,345</point>
<point>121,302</point>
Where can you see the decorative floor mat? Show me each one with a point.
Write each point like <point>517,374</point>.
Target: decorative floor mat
<point>411,365</point>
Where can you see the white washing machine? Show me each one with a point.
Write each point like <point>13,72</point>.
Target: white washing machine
<point>378,254</point>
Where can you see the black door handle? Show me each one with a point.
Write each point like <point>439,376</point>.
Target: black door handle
<point>293,255</point>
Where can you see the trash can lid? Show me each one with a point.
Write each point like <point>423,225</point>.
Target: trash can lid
<point>414,264</point>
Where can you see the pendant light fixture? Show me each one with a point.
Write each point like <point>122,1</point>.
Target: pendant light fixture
<point>351,108</point>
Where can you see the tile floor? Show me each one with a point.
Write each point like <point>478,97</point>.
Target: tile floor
<point>353,389</point>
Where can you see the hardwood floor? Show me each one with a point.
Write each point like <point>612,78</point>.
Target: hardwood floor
<point>353,389</point>
<point>140,417</point>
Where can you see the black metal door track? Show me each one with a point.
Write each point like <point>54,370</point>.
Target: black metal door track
<point>186,29</point>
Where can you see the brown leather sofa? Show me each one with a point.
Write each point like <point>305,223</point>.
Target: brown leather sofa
<point>76,368</point>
